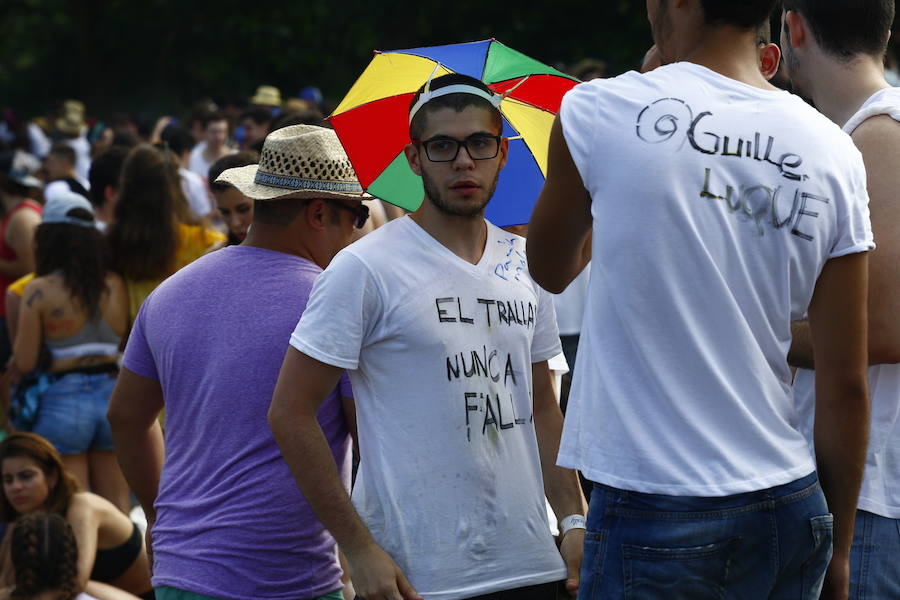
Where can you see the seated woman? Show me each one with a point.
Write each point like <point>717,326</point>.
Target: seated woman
<point>45,561</point>
<point>110,547</point>
<point>78,309</point>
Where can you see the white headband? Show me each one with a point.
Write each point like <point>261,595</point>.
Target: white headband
<point>459,88</point>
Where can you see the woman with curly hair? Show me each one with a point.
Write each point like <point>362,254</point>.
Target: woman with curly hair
<point>153,234</point>
<point>76,308</point>
<point>111,547</point>
<point>45,561</point>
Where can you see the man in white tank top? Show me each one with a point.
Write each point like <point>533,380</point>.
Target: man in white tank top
<point>719,210</point>
<point>834,51</point>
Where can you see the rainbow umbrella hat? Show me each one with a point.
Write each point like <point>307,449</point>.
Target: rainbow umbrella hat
<point>372,121</point>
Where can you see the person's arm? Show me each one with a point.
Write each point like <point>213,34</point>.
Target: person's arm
<point>837,319</point>
<point>12,375</point>
<point>560,484</point>
<point>303,384</point>
<point>85,526</point>
<point>560,226</point>
<point>878,139</point>
<point>134,407</point>
<point>7,575</point>
<point>137,437</point>
<point>133,413</point>
<point>13,301</point>
<point>104,591</point>
<point>156,134</point>
<point>29,333</point>
<point>20,237</point>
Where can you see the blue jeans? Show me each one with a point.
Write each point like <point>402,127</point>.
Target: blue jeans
<point>768,544</point>
<point>875,558</point>
<point>72,414</point>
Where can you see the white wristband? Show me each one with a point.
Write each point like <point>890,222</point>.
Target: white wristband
<point>572,522</point>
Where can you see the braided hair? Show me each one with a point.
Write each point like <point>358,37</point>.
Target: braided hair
<point>44,556</point>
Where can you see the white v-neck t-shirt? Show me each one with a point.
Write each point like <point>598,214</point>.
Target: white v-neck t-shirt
<point>880,492</point>
<point>439,352</point>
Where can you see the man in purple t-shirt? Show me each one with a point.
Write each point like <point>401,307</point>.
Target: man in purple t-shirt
<point>226,518</point>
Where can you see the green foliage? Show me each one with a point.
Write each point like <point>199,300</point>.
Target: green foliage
<point>162,55</point>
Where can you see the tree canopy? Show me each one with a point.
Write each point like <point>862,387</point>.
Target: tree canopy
<point>162,55</point>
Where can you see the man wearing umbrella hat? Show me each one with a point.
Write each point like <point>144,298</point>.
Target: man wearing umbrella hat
<point>446,340</point>
<point>719,209</point>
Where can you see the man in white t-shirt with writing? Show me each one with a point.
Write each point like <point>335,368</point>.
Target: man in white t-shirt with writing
<point>446,340</point>
<point>835,55</point>
<point>721,210</point>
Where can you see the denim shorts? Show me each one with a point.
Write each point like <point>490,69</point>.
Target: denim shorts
<point>773,544</point>
<point>72,415</point>
<point>875,558</point>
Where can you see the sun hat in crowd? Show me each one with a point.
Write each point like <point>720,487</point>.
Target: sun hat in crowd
<point>300,161</point>
<point>74,107</point>
<point>311,94</point>
<point>71,124</point>
<point>71,121</point>
<point>267,95</point>
<point>58,206</point>
<point>298,105</point>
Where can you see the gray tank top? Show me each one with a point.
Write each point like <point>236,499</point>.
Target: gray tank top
<point>96,338</point>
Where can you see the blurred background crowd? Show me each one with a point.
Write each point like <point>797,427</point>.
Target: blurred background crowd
<point>137,107</point>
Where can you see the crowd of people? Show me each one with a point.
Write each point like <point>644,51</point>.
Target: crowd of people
<point>230,373</point>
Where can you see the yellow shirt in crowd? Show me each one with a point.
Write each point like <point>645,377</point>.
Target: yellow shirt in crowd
<point>193,242</point>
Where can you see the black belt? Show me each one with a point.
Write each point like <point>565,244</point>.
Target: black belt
<point>111,368</point>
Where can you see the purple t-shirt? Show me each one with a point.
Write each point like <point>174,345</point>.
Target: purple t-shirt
<point>231,522</point>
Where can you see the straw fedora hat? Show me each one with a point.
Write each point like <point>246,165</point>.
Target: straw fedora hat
<point>267,95</point>
<point>73,107</point>
<point>300,161</point>
<point>71,121</point>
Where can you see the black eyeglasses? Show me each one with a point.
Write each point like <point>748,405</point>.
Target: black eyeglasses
<point>446,149</point>
<point>361,211</point>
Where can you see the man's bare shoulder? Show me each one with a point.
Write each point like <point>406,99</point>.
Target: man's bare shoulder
<point>880,133</point>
